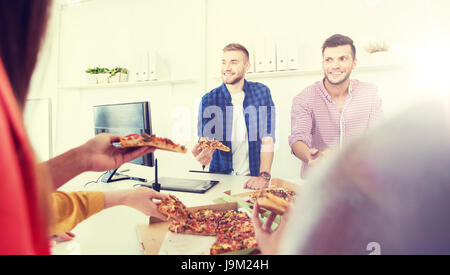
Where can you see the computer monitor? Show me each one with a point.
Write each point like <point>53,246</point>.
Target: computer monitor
<point>124,119</point>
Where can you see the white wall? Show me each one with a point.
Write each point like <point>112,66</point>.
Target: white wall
<point>113,33</point>
<point>189,36</point>
<point>40,108</point>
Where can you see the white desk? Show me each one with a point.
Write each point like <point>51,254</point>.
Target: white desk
<point>113,230</point>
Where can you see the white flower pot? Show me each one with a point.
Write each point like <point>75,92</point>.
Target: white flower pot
<point>115,78</point>
<point>123,77</point>
<point>102,78</point>
<point>91,78</point>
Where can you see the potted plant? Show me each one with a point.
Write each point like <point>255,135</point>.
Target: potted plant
<point>103,75</point>
<point>91,75</point>
<point>114,75</point>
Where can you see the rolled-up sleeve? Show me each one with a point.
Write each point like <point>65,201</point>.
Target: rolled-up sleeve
<point>301,122</point>
<point>69,209</point>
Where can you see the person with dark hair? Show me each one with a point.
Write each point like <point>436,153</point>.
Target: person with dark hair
<point>385,193</point>
<point>30,208</point>
<point>330,113</point>
<point>240,114</point>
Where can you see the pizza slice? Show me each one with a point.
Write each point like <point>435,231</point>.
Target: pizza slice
<point>229,243</point>
<point>232,223</point>
<point>234,229</point>
<point>174,209</point>
<point>212,144</point>
<point>136,140</point>
<point>272,202</point>
<point>200,222</point>
<point>280,192</point>
<point>193,228</point>
<point>224,244</point>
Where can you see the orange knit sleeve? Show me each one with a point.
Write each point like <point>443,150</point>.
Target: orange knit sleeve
<point>69,209</point>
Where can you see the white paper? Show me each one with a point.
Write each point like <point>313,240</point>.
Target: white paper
<point>185,244</point>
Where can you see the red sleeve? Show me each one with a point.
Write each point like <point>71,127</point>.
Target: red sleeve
<point>22,221</point>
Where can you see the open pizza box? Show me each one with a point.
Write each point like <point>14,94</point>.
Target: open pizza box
<point>156,239</point>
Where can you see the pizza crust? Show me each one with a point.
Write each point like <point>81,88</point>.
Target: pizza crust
<point>135,140</point>
<point>272,203</point>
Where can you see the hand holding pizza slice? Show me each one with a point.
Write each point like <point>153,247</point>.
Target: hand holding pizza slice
<point>176,210</point>
<point>203,151</point>
<point>276,200</point>
<point>206,143</point>
<point>173,208</point>
<point>136,140</point>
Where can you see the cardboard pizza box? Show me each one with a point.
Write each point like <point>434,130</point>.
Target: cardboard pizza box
<point>151,236</point>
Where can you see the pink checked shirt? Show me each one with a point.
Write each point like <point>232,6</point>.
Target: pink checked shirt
<point>316,121</point>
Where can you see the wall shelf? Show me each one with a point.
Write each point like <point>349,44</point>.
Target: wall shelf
<point>319,71</point>
<point>126,84</point>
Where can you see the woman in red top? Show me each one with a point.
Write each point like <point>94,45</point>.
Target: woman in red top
<point>25,186</point>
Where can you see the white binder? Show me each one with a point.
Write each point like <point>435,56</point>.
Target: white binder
<point>260,58</point>
<point>142,65</point>
<point>153,65</point>
<point>270,56</point>
<point>293,55</point>
<point>282,56</point>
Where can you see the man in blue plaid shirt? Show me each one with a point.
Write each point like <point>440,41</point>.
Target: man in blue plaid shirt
<point>240,114</point>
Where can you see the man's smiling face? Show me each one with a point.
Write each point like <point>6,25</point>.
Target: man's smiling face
<point>234,67</point>
<point>338,63</point>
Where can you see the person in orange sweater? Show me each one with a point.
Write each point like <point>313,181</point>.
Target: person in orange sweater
<point>30,206</point>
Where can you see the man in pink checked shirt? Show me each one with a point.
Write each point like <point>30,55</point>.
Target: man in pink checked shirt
<point>330,113</point>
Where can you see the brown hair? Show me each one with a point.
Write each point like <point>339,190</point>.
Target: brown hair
<point>236,47</point>
<point>22,26</point>
<point>339,40</point>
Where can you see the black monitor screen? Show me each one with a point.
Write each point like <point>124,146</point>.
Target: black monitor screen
<point>124,119</point>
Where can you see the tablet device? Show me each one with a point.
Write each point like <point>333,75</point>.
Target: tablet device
<point>186,185</point>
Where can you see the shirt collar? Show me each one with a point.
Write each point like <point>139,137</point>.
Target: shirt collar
<point>324,92</point>
<point>227,94</point>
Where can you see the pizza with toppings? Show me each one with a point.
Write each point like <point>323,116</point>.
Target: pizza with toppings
<point>206,143</point>
<point>280,192</point>
<point>276,200</point>
<point>201,222</point>
<point>233,229</point>
<point>173,208</point>
<point>225,243</point>
<point>234,232</point>
<point>136,140</point>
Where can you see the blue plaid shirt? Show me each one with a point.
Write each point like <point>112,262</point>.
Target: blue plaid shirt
<point>215,121</point>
